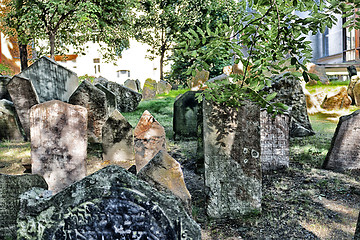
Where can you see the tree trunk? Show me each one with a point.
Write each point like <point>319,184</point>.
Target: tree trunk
<point>23,56</point>
<point>162,63</point>
<point>52,45</point>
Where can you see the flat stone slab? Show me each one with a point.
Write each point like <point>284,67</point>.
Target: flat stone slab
<point>58,143</point>
<point>10,189</point>
<point>109,204</point>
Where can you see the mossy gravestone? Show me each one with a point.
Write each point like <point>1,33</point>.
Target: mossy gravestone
<point>232,159</point>
<point>109,204</point>
<point>10,189</point>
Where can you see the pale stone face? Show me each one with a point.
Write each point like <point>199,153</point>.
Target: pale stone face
<point>58,143</point>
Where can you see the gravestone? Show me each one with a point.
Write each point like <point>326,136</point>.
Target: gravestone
<point>149,89</point>
<point>109,204</point>
<point>198,80</point>
<point>4,94</point>
<point>132,84</point>
<point>94,100</point>
<point>350,89</point>
<point>356,94</point>
<point>9,125</point>
<point>345,145</point>
<point>337,101</point>
<point>23,94</point>
<point>127,100</point>
<point>51,80</point>
<point>118,141</point>
<point>319,71</point>
<point>163,87</point>
<point>110,98</point>
<point>149,139</point>
<point>11,187</point>
<point>165,174</point>
<point>232,159</point>
<point>101,80</point>
<point>187,116</point>
<point>58,143</point>
<point>274,134</point>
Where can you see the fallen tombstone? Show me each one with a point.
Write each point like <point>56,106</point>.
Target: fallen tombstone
<point>149,139</point>
<point>94,100</point>
<point>127,100</point>
<point>109,204</point>
<point>24,96</point>
<point>9,124</point>
<point>11,187</point>
<point>232,160</point>
<point>110,98</point>
<point>118,141</point>
<point>149,89</point>
<point>58,143</point>
<point>51,80</point>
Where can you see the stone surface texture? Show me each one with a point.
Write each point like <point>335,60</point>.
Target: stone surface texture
<point>11,187</point>
<point>9,125</point>
<point>274,132</point>
<point>127,100</point>
<point>198,80</point>
<point>187,116</point>
<point>165,174</point>
<point>356,93</point>
<point>149,89</point>
<point>4,94</point>
<point>345,145</point>
<point>110,98</point>
<point>24,96</point>
<point>51,80</point>
<point>109,204</point>
<point>94,100</point>
<point>149,139</point>
<point>163,87</point>
<point>353,81</point>
<point>118,141</point>
<point>338,101</point>
<point>58,143</point>
<point>290,92</point>
<point>232,160</point>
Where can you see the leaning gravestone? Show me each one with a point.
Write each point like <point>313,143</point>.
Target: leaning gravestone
<point>58,143</point>
<point>24,96</point>
<point>132,84</point>
<point>4,94</point>
<point>345,145</point>
<point>10,189</point>
<point>109,204</point>
<point>51,80</point>
<point>187,116</point>
<point>9,125</point>
<point>149,139</point>
<point>110,98</point>
<point>127,100</point>
<point>232,159</point>
<point>149,89</point>
<point>94,100</point>
<point>163,87</point>
<point>118,141</point>
<point>274,133</point>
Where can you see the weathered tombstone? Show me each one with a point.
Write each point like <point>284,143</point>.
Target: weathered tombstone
<point>149,139</point>
<point>356,94</point>
<point>58,143</point>
<point>94,100</point>
<point>319,71</point>
<point>118,141</point>
<point>4,94</point>
<point>354,79</point>
<point>337,101</point>
<point>149,89</point>
<point>138,84</point>
<point>132,84</point>
<point>110,98</point>
<point>187,116</point>
<point>127,100</point>
<point>101,80</point>
<point>24,96</point>
<point>274,133</point>
<point>109,204</point>
<point>51,80</point>
<point>11,187</point>
<point>165,174</point>
<point>9,126</point>
<point>163,87</point>
<point>232,159</point>
<point>199,79</point>
<point>344,150</point>
<point>289,92</point>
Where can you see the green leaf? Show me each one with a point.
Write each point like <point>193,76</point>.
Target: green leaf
<point>271,96</point>
<point>305,76</point>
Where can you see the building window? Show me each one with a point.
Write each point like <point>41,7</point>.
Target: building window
<point>123,73</point>
<point>325,43</point>
<point>351,45</point>
<point>97,65</point>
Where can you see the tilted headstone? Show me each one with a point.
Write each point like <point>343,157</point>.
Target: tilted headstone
<point>149,139</point>
<point>165,174</point>
<point>51,80</point>
<point>109,204</point>
<point>345,145</point>
<point>118,141</point>
<point>110,98</point>
<point>163,87</point>
<point>4,94</point>
<point>132,84</point>
<point>9,125</point>
<point>58,143</point>
<point>274,132</point>
<point>232,159</point>
<point>10,189</point>
<point>94,100</point>
<point>149,89</point>
<point>187,116</point>
<point>23,94</point>
<point>337,101</point>
<point>127,100</point>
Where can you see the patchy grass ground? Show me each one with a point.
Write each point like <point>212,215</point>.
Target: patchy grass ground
<point>302,202</point>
